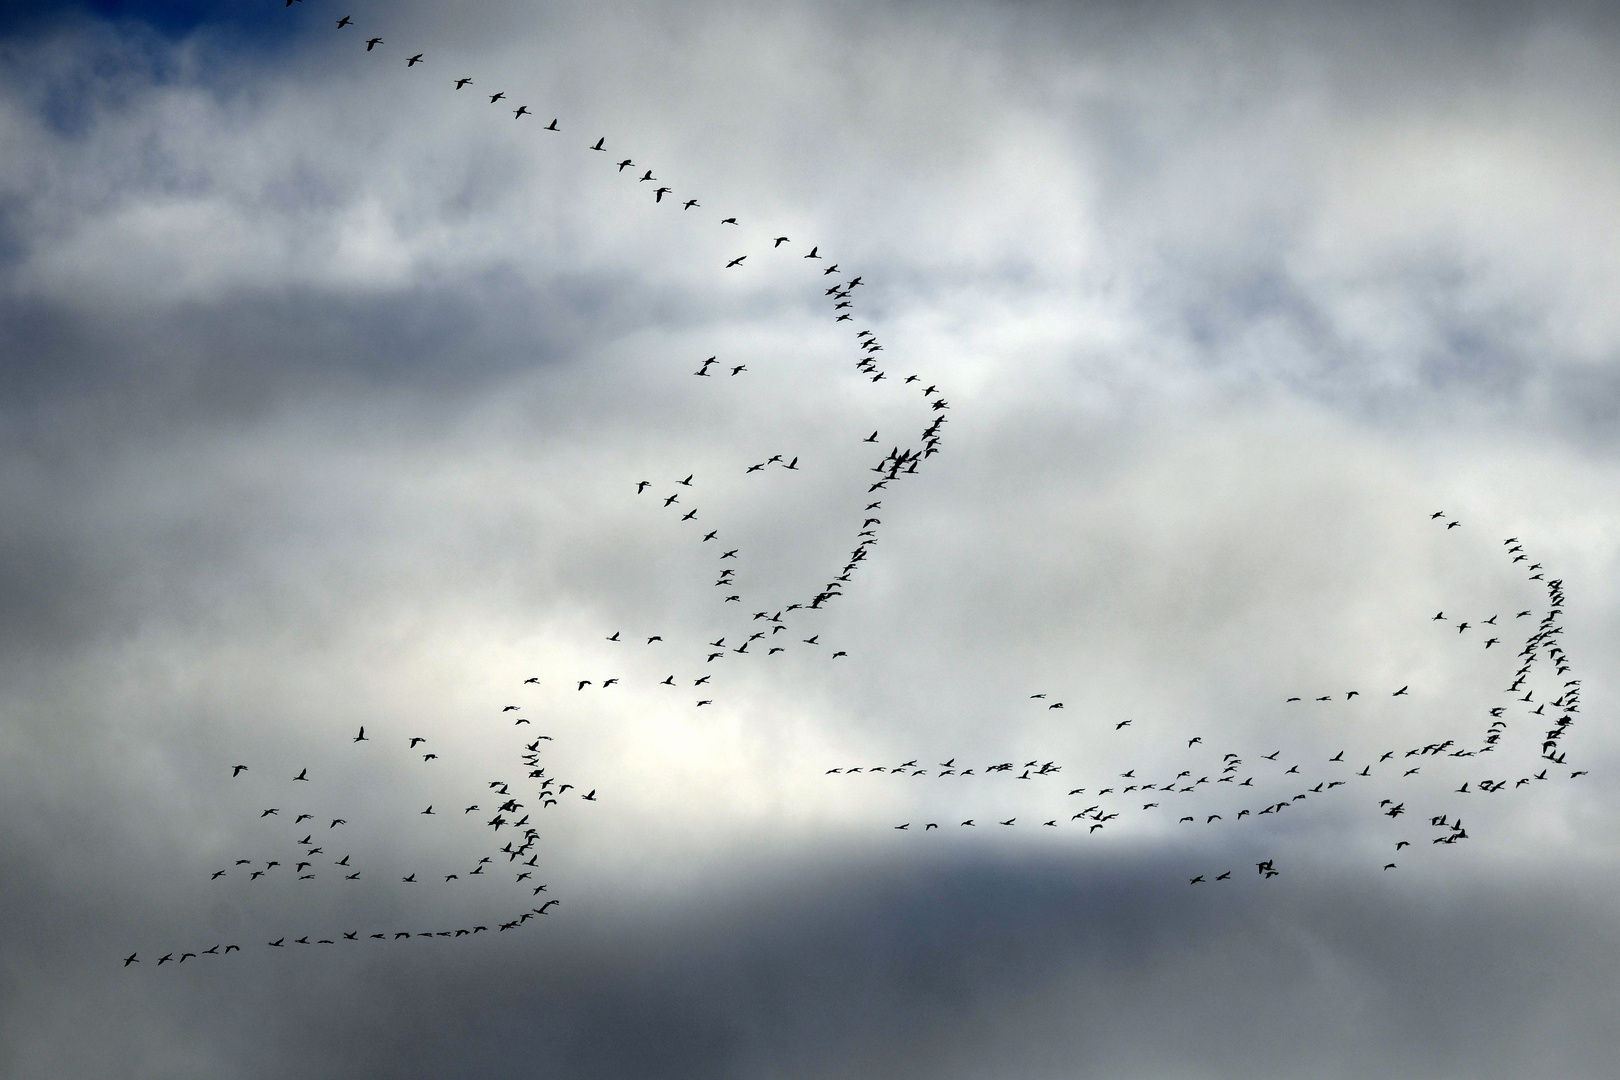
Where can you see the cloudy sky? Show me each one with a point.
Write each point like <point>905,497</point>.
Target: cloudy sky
<point>325,392</point>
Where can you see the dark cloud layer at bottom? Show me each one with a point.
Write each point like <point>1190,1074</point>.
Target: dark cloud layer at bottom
<point>954,968</point>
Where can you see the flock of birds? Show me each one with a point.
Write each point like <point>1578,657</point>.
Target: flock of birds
<point>1262,784</point>
<point>320,856</point>
<point>1207,787</point>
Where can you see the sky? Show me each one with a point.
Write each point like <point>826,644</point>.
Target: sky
<point>327,388</point>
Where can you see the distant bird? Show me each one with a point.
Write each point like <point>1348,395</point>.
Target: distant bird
<point>493,98</point>
<point>358,738</point>
<point>780,240</point>
<point>237,770</point>
<point>520,111</point>
<point>728,221</point>
<point>463,82</point>
<point>345,21</point>
<point>551,126</point>
<point>1400,692</point>
<point>373,43</point>
<point>736,262</point>
<point>413,61</point>
<point>303,775</point>
<point>599,145</point>
<point>813,254</point>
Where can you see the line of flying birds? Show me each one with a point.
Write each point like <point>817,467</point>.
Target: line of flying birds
<point>1197,787</point>
<point>298,857</point>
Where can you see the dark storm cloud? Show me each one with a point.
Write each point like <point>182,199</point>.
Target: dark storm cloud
<point>326,390</point>
<point>961,967</point>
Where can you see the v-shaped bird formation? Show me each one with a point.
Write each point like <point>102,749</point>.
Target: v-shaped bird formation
<point>480,844</point>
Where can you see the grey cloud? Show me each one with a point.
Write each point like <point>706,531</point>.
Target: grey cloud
<point>325,395</point>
